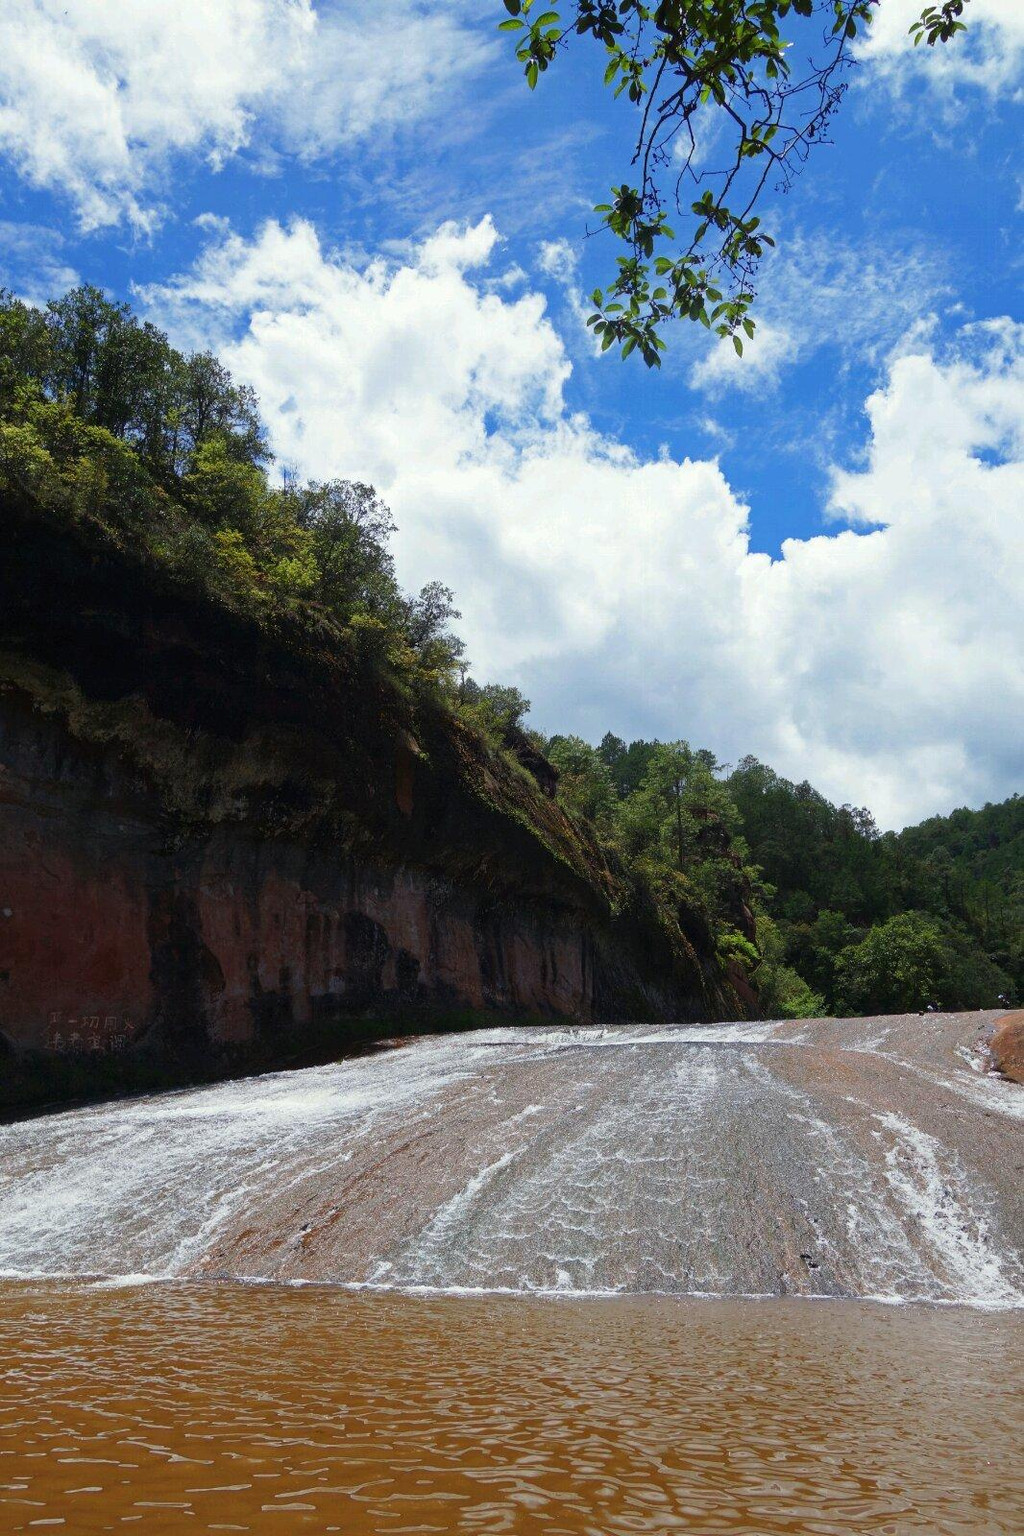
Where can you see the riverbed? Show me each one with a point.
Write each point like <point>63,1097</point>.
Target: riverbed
<point>872,1158</point>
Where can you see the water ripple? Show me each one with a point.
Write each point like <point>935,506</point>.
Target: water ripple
<point>186,1407</point>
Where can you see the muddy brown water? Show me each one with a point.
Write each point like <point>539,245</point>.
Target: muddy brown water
<point>184,1407</point>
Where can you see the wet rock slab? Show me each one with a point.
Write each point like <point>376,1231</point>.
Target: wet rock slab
<point>870,1157</point>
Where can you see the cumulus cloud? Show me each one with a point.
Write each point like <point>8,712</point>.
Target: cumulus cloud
<point>989,56</point>
<point>621,592</point>
<point>764,356</point>
<point>96,99</point>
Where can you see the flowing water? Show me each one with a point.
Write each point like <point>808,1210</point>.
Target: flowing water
<point>522,1231</point>
<point>870,1158</point>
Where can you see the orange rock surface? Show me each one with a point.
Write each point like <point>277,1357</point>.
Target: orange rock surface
<point>1007,1045</point>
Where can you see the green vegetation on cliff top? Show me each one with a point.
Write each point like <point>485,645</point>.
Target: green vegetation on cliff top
<point>106,429</point>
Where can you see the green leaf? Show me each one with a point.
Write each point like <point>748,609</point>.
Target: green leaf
<point>513,6</point>
<point>531,73</point>
<point>738,345</point>
<point>510,26</point>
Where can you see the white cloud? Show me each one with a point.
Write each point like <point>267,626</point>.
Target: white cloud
<point>32,263</point>
<point>560,259</point>
<point>621,592</point>
<point>700,138</point>
<point>988,56</point>
<point>937,427</point>
<point>716,432</point>
<point>764,356</point>
<point>96,98</point>
<point>821,291</point>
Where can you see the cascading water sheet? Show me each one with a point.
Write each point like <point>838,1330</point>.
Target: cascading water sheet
<point>855,1158</point>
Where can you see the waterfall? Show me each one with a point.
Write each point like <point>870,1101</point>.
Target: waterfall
<point>827,1158</point>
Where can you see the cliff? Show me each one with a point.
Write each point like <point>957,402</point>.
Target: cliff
<point>223,836</point>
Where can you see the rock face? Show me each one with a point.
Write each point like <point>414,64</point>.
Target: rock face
<point>217,841</point>
<point>109,933</point>
<point>1007,1045</point>
<point>818,1157</point>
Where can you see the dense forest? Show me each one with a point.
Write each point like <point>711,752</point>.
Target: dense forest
<point>102,419</point>
<point>849,921</point>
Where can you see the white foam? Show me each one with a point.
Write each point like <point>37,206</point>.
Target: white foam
<point>933,1185</point>
<point>610,1168</point>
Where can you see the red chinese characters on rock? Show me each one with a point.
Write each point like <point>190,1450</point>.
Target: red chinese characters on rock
<point>78,1033</point>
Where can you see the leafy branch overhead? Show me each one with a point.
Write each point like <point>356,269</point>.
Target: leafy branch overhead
<point>939,23</point>
<point>705,78</point>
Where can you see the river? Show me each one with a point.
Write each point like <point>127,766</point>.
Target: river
<point>176,1408</point>
<point>505,1281</point>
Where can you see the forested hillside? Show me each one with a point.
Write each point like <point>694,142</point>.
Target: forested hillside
<point>872,922</point>
<point>848,920</point>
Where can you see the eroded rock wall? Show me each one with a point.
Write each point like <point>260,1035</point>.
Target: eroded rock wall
<point>116,929</point>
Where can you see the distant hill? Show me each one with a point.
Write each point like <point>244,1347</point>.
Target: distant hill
<point>983,847</point>
<point>845,919</point>
<point>832,880</point>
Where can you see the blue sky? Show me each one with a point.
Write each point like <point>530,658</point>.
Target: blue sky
<point>270,177</point>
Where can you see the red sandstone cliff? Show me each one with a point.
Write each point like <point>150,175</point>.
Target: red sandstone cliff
<point>211,840</point>
<point>111,928</point>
